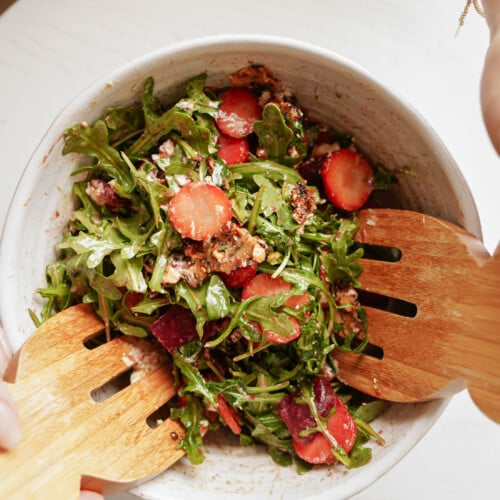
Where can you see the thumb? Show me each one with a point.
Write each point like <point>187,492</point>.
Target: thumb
<point>10,428</point>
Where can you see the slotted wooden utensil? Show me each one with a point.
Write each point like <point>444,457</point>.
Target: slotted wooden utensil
<point>450,339</point>
<point>70,439</point>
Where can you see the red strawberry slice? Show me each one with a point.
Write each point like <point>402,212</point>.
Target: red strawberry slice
<point>240,276</point>
<point>131,299</point>
<point>228,414</point>
<point>275,338</point>
<point>347,178</point>
<point>231,150</point>
<point>316,448</point>
<point>238,111</point>
<point>265,285</point>
<point>199,210</point>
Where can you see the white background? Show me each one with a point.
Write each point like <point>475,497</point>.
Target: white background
<point>50,50</point>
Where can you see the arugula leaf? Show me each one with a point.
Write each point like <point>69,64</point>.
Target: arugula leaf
<point>370,411</point>
<point>196,384</point>
<point>340,262</point>
<point>273,133</point>
<point>128,273</point>
<point>104,286</point>
<point>150,305</point>
<point>178,118</point>
<point>123,122</point>
<point>274,203</point>
<point>359,455</point>
<point>217,298</point>
<point>267,168</point>
<point>197,99</point>
<point>131,330</point>
<point>88,217</point>
<point>208,302</point>
<point>93,141</point>
<point>191,415</point>
<point>282,139</point>
<point>93,246</point>
<point>265,311</point>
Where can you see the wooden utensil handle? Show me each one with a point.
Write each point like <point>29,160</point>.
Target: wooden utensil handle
<point>40,464</point>
<point>484,355</point>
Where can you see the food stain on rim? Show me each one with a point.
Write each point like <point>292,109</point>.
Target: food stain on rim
<point>47,155</point>
<point>28,200</point>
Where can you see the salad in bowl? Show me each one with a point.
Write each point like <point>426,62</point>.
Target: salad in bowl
<point>204,198</point>
<point>222,228</point>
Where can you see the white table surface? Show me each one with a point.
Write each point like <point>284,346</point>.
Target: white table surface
<point>50,50</point>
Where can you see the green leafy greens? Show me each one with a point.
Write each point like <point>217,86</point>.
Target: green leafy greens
<point>121,248</point>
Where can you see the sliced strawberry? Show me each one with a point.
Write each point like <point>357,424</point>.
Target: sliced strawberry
<point>310,171</point>
<point>274,338</point>
<point>347,178</point>
<point>228,414</point>
<point>264,284</point>
<point>131,299</point>
<point>238,111</point>
<point>199,210</point>
<point>232,150</point>
<point>240,276</point>
<point>296,301</point>
<point>316,448</point>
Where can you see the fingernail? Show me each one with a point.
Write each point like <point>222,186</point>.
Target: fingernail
<point>10,428</point>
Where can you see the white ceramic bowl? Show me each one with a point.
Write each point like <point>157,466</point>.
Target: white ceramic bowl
<point>334,91</point>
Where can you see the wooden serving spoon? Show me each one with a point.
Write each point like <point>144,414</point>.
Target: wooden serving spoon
<point>437,328</point>
<point>70,437</point>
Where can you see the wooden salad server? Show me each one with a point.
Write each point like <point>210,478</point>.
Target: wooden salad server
<point>71,440</point>
<point>438,329</point>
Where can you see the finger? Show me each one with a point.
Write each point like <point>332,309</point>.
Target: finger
<point>490,81</point>
<point>10,428</point>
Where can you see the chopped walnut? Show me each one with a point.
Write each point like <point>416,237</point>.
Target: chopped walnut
<point>255,76</point>
<point>324,148</point>
<point>303,202</point>
<point>260,77</point>
<point>287,108</point>
<point>189,265</point>
<point>232,248</point>
<point>347,312</point>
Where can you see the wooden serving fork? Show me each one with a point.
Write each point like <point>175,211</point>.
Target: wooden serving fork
<point>437,328</point>
<point>70,438</point>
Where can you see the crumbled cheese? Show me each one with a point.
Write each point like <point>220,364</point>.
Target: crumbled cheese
<point>259,254</point>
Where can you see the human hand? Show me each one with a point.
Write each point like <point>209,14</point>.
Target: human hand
<point>490,82</point>
<point>11,434</point>
<point>10,429</point>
